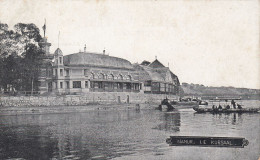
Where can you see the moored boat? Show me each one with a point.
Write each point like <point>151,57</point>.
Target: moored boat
<point>231,110</point>
<point>167,105</point>
<point>184,103</point>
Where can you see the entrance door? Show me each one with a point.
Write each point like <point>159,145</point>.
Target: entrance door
<point>127,101</point>
<point>50,87</point>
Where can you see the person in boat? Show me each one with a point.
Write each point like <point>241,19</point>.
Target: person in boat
<point>228,107</point>
<point>215,108</point>
<point>219,107</point>
<point>239,106</point>
<point>165,101</point>
<point>233,103</point>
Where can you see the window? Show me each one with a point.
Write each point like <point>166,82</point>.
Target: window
<point>61,72</point>
<point>100,85</point>
<point>128,85</point>
<point>61,85</point>
<point>48,73</point>
<point>101,76</point>
<point>111,85</point>
<point>67,72</point>
<point>56,72</point>
<point>92,76</point>
<point>76,84</point>
<point>137,86</point>
<point>129,78</point>
<point>60,60</point>
<point>110,77</point>
<point>56,85</point>
<point>105,85</point>
<point>119,85</point>
<point>120,77</point>
<point>92,84</point>
<point>85,72</point>
<point>162,87</point>
<point>86,84</point>
<point>68,84</point>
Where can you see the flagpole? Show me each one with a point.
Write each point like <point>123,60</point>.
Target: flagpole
<point>59,40</point>
<point>45,26</point>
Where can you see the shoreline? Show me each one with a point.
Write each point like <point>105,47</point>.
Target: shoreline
<point>37,110</point>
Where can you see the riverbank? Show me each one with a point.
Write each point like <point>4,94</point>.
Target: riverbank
<point>101,98</point>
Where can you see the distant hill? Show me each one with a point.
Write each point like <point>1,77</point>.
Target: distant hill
<point>201,90</point>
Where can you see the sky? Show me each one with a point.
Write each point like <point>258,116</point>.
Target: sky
<point>209,42</point>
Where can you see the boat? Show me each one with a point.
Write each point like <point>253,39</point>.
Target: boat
<point>185,102</point>
<point>166,108</point>
<point>167,105</point>
<point>231,110</point>
<point>188,103</point>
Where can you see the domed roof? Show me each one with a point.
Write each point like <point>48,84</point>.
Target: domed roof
<point>58,52</point>
<point>94,59</point>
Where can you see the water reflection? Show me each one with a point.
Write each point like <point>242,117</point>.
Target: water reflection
<point>234,120</point>
<point>230,118</point>
<point>113,134</point>
<point>170,122</point>
<point>95,134</point>
<point>25,142</point>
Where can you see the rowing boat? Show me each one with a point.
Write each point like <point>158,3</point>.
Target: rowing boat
<point>231,110</point>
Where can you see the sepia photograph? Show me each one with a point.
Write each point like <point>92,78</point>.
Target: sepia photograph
<point>129,80</point>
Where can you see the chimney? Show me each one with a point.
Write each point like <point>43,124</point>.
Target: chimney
<point>85,48</point>
<point>104,52</point>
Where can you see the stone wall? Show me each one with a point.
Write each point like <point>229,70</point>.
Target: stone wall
<point>78,100</point>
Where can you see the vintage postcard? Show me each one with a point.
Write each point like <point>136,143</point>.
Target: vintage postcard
<point>146,79</point>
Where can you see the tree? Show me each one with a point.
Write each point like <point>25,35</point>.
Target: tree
<point>20,57</point>
<point>14,42</point>
<point>31,64</point>
<point>8,43</point>
<point>10,72</point>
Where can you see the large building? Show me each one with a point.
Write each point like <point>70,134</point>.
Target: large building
<point>86,72</point>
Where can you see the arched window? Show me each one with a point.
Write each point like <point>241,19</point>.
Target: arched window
<point>101,76</point>
<point>92,76</point>
<point>110,77</point>
<point>56,61</point>
<point>120,77</point>
<point>105,76</point>
<point>128,77</point>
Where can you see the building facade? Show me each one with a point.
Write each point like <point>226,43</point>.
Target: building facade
<point>86,72</point>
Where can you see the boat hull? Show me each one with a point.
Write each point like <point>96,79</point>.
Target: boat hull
<point>210,110</point>
<point>165,107</point>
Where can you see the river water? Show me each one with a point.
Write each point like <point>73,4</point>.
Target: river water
<point>126,134</point>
